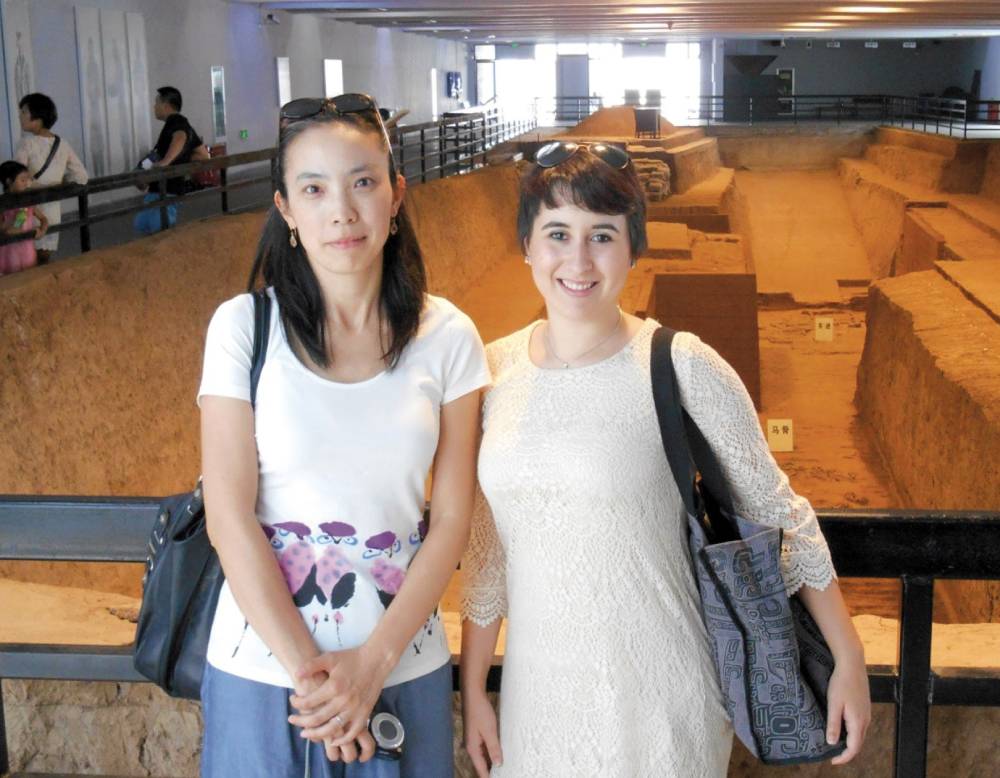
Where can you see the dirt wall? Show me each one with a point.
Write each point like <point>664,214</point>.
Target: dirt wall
<point>789,151</point>
<point>937,161</point>
<point>101,360</point>
<point>466,226</point>
<point>929,384</point>
<point>921,244</point>
<point>878,213</point>
<point>991,175</point>
<point>929,387</point>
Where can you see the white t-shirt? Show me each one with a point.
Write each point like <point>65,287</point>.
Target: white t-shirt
<point>342,469</point>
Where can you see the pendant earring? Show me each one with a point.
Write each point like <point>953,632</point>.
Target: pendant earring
<point>393,226</point>
<point>293,239</point>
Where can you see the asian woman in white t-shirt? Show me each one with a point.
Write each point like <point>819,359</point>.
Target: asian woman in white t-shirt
<point>315,494</point>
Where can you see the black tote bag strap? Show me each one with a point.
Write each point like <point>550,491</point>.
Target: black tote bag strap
<point>686,448</point>
<point>49,158</point>
<point>666,398</point>
<point>261,333</point>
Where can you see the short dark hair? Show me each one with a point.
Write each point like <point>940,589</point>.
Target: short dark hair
<point>287,268</point>
<point>40,107</point>
<point>10,170</point>
<point>171,95</point>
<point>589,183</point>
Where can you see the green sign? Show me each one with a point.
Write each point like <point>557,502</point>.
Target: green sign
<point>244,134</point>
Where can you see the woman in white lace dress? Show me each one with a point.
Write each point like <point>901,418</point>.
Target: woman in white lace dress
<point>580,540</point>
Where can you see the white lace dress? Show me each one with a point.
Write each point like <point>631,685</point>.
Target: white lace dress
<point>607,670</point>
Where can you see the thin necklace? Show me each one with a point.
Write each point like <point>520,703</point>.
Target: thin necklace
<point>578,357</point>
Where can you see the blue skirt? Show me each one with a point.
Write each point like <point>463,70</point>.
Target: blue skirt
<point>247,733</point>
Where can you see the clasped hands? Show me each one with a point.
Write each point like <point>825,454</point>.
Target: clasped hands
<point>334,696</point>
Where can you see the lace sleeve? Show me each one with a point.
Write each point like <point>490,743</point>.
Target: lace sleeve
<point>484,574</point>
<point>716,399</point>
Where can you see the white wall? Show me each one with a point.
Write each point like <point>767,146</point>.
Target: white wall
<point>186,37</point>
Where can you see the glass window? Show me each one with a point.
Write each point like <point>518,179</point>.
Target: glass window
<point>333,77</point>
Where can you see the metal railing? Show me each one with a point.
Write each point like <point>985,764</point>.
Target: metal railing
<point>955,117</point>
<point>566,109</point>
<point>915,547</point>
<point>455,144</point>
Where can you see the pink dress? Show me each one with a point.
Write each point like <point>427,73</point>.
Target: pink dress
<point>19,255</point>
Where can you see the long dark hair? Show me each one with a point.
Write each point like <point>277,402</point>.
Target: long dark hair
<point>300,299</point>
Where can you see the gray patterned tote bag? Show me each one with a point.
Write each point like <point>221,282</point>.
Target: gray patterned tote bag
<point>774,666</point>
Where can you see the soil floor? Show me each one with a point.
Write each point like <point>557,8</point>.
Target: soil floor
<point>805,244</point>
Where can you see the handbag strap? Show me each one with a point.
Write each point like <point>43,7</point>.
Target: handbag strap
<point>688,453</point>
<point>49,158</point>
<point>261,333</point>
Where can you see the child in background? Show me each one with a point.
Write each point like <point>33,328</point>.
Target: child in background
<point>19,221</point>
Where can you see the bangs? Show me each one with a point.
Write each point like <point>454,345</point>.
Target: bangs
<point>586,187</point>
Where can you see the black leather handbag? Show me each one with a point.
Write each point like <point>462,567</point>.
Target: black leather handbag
<point>183,575</point>
<point>774,666</point>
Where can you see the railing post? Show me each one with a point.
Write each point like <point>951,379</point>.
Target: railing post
<point>915,687</point>
<point>164,216</point>
<point>442,153</point>
<point>4,757</point>
<point>83,212</point>
<point>423,157</point>
<point>224,182</point>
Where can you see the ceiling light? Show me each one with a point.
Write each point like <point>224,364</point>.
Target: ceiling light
<point>868,9</point>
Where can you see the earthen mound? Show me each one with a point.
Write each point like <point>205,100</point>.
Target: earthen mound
<point>617,121</point>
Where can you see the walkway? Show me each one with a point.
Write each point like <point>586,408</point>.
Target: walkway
<point>805,245</point>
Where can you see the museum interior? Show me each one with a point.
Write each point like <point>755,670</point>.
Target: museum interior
<point>823,208</point>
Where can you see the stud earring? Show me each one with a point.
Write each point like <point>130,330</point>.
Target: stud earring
<point>527,259</point>
<point>293,238</point>
<point>393,226</point>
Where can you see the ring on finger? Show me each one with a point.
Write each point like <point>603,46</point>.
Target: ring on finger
<point>339,720</point>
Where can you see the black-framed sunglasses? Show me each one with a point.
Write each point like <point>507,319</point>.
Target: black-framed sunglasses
<point>557,152</point>
<point>353,102</point>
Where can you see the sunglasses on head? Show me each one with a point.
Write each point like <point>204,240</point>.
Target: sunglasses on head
<point>310,107</point>
<point>557,152</point>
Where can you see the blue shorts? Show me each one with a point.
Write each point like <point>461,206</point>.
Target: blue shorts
<point>247,733</point>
